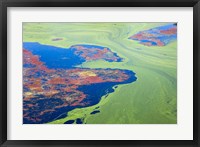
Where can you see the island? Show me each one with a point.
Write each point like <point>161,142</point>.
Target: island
<point>53,85</point>
<point>159,36</point>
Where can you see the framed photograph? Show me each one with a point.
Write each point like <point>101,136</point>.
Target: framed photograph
<point>89,73</point>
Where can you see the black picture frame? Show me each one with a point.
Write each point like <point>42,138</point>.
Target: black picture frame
<point>4,4</point>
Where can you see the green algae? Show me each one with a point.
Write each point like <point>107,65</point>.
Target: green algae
<point>152,99</point>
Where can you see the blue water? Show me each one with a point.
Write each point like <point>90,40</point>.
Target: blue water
<point>69,122</point>
<point>79,121</point>
<point>95,91</point>
<point>144,41</point>
<point>43,104</point>
<point>54,57</point>
<point>93,52</point>
<point>162,37</point>
<point>94,112</point>
<point>57,57</point>
<point>165,27</point>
